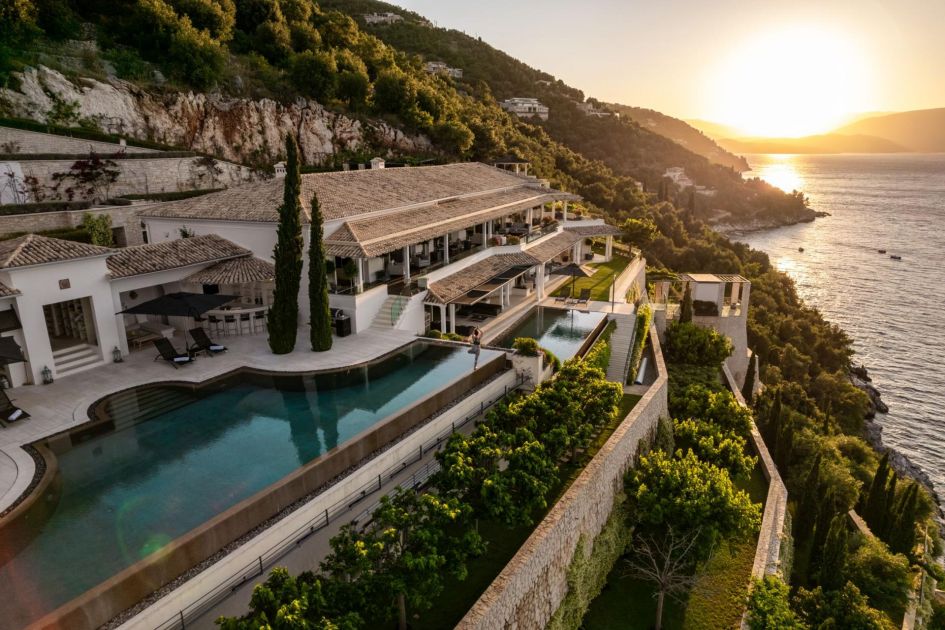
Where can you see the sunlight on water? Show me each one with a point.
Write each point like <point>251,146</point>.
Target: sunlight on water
<point>780,172</point>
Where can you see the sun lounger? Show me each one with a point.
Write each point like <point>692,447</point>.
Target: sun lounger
<point>8,411</point>
<point>585,296</point>
<point>170,354</point>
<point>203,343</point>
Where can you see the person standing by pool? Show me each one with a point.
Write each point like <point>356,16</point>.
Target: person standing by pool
<point>476,339</point>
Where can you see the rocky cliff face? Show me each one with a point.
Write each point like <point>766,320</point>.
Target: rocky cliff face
<point>237,129</point>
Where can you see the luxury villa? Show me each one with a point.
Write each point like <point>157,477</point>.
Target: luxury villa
<point>442,247</point>
<point>138,472</point>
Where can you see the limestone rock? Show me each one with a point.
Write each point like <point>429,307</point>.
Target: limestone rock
<point>236,129</point>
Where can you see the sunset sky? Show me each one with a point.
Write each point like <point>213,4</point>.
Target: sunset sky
<point>768,67</point>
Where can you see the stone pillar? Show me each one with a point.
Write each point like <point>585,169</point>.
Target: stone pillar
<point>452,318</point>
<point>564,211</point>
<point>360,280</point>
<point>406,263</point>
<point>443,325</point>
<point>540,282</point>
<point>485,235</point>
<point>446,249</point>
<point>609,248</point>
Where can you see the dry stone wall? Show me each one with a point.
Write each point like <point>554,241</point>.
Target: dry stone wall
<point>23,141</point>
<point>532,586</point>
<point>125,217</point>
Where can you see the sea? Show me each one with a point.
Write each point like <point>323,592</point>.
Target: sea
<point>893,309</point>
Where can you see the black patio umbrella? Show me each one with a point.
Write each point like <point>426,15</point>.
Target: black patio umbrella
<point>10,352</point>
<point>575,271</point>
<point>181,304</point>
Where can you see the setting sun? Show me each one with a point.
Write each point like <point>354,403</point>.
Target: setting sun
<point>791,82</point>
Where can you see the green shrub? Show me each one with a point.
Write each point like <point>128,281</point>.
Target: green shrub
<point>451,336</point>
<point>769,606</point>
<point>552,360</point>
<point>640,336</point>
<point>692,344</point>
<point>171,196</point>
<point>885,578</point>
<point>599,354</point>
<point>526,346</point>
<point>43,206</point>
<point>433,333</point>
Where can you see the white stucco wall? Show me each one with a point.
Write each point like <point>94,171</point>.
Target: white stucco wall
<point>39,286</point>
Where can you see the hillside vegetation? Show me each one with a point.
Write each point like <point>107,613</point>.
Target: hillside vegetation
<point>283,49</point>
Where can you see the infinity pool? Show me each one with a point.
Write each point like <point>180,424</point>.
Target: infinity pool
<point>178,457</point>
<point>559,330</point>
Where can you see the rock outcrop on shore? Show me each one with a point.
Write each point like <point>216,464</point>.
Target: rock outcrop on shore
<point>249,131</point>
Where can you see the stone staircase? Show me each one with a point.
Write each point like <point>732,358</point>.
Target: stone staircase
<point>77,358</point>
<point>136,405</point>
<point>391,312</point>
<point>621,341</point>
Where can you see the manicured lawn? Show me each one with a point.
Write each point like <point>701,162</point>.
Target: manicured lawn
<point>503,542</point>
<point>600,282</point>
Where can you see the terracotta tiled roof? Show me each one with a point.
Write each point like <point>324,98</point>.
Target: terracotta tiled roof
<point>33,249</point>
<point>242,270</point>
<point>377,235</point>
<point>548,249</point>
<point>455,285</point>
<point>6,291</point>
<point>183,252</point>
<point>346,194</point>
<point>595,230</point>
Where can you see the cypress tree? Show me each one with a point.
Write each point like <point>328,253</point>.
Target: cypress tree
<point>284,313</point>
<point>834,556</point>
<point>902,536</point>
<point>772,425</point>
<point>685,310</point>
<point>320,332</point>
<point>887,517</point>
<point>748,389</point>
<point>785,446</point>
<point>828,511</point>
<point>807,507</point>
<point>874,504</point>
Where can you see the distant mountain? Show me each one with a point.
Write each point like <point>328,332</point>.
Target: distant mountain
<point>681,133</point>
<point>922,131</point>
<point>825,143</point>
<point>716,131</point>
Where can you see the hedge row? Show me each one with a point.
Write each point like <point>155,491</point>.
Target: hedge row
<point>171,196</point>
<point>43,206</point>
<point>35,157</point>
<point>644,319</point>
<point>79,132</point>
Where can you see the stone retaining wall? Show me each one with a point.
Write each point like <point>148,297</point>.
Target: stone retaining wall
<point>533,584</point>
<point>768,549</point>
<point>122,217</point>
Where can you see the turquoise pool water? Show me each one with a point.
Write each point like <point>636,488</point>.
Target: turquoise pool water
<point>127,493</point>
<point>560,330</point>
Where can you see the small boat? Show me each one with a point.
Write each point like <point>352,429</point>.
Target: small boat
<point>895,257</point>
<point>881,251</point>
<point>800,249</point>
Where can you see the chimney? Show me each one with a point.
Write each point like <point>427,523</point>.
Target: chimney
<point>280,170</point>
<point>377,162</point>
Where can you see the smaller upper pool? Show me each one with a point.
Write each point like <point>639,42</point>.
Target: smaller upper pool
<point>562,331</point>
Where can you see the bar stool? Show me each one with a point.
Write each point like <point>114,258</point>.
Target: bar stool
<point>259,321</point>
<point>230,324</point>
<point>213,323</point>
<point>246,326</point>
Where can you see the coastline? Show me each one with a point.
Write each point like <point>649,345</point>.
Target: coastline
<point>859,377</point>
<point>730,230</point>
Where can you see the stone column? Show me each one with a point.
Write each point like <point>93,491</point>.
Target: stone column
<point>485,235</point>
<point>406,263</point>
<point>564,211</point>
<point>452,318</point>
<point>446,249</point>
<point>609,248</point>
<point>443,326</point>
<point>360,280</point>
<point>540,282</point>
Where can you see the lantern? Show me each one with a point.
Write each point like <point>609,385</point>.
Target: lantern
<point>47,375</point>
<point>116,355</point>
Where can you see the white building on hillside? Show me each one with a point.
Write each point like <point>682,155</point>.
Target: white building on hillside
<point>525,107</point>
<point>382,18</point>
<point>590,110</point>
<point>679,177</point>
<point>440,67</point>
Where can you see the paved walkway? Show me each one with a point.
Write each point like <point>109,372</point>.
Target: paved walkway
<point>65,403</point>
<point>621,343</point>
